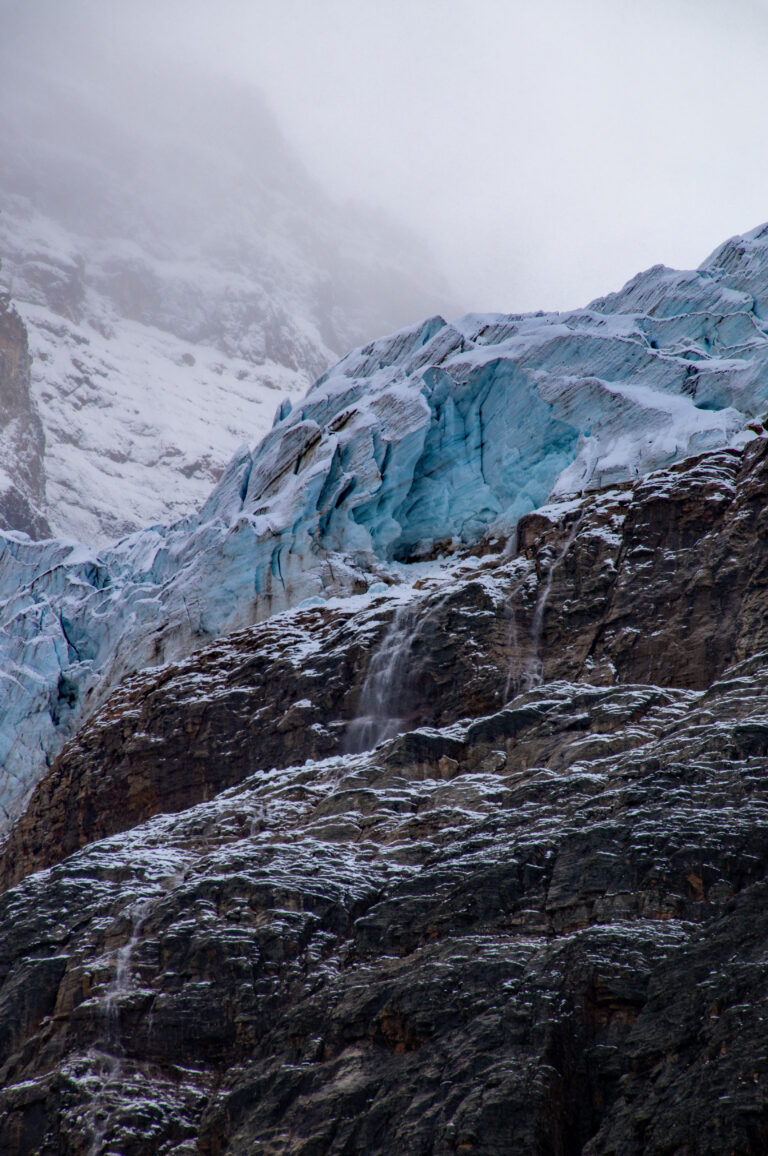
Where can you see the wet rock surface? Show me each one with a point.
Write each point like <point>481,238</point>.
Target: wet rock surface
<point>416,950</point>
<point>420,444</point>
<point>534,921</point>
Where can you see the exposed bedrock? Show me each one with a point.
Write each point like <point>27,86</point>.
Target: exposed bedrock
<point>663,582</point>
<point>541,932</point>
<point>535,921</point>
<point>22,444</point>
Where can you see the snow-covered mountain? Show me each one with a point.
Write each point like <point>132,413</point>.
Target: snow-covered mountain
<point>179,273</point>
<point>413,448</point>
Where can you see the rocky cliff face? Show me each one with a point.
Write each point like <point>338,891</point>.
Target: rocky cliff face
<point>411,796</point>
<point>22,444</point>
<point>662,583</point>
<point>540,928</point>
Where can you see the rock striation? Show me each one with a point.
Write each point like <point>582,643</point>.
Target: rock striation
<point>665,583</point>
<point>444,946</point>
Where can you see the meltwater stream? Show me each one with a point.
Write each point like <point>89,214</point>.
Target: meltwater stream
<point>525,668</point>
<point>382,700</point>
<point>112,1054</point>
<point>534,671</point>
<point>112,1065</point>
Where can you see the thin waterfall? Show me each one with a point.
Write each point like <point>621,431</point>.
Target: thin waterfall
<point>121,984</point>
<point>382,697</point>
<point>517,661</point>
<point>112,1052</point>
<point>534,667</point>
<point>515,666</point>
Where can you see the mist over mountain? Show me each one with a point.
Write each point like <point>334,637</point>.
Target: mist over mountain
<point>404,792</point>
<point>178,271</point>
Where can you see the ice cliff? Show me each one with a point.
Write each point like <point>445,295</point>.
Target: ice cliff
<point>436,436</point>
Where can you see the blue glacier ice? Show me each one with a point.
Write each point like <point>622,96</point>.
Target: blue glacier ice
<point>423,440</point>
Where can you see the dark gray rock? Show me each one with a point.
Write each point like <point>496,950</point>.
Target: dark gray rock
<point>531,922</point>
<point>22,444</point>
<point>391,953</point>
<point>597,607</point>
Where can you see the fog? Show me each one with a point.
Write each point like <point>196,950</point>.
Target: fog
<point>545,152</point>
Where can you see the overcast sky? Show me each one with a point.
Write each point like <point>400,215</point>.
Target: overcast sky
<point>547,151</point>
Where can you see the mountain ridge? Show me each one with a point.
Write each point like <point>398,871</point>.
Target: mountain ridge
<point>179,273</point>
<point>516,931</point>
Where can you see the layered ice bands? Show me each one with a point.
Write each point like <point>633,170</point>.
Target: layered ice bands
<point>423,440</point>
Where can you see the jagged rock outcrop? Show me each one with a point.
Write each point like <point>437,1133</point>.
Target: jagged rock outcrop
<point>22,480</point>
<point>411,447</point>
<point>541,932</point>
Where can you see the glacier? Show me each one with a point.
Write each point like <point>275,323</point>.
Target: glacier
<point>412,447</point>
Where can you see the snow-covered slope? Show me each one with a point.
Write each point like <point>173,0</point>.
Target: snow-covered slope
<point>179,273</point>
<point>436,436</point>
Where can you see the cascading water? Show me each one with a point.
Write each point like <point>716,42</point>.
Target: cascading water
<point>534,668</point>
<point>121,984</point>
<point>382,699</point>
<point>516,665</point>
<point>111,1053</point>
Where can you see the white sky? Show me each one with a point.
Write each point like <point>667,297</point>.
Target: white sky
<point>546,149</point>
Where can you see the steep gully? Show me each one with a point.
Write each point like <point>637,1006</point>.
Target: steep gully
<point>535,926</point>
